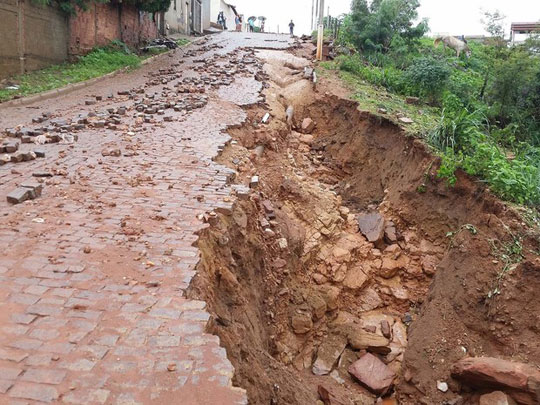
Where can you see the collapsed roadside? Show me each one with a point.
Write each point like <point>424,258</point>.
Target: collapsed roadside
<point>347,248</point>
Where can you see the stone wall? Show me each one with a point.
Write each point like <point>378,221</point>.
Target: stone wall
<point>32,36</point>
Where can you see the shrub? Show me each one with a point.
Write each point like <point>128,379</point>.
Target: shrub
<point>427,77</point>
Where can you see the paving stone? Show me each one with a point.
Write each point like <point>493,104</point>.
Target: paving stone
<point>5,385</point>
<point>37,392</point>
<point>26,344</point>
<point>44,309</point>
<point>44,376</point>
<point>87,396</point>
<point>19,195</point>
<point>9,373</point>
<point>12,355</point>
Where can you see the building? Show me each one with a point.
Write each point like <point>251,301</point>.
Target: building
<point>186,16</point>
<point>211,11</point>
<point>520,31</point>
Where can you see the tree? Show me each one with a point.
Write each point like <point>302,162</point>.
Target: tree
<point>494,23</point>
<point>375,25</point>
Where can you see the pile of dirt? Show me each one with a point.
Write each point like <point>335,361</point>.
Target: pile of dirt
<point>349,246</point>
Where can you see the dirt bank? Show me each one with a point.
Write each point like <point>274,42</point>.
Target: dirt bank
<point>300,291</point>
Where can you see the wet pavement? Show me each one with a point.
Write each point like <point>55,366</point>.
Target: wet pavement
<point>93,272</point>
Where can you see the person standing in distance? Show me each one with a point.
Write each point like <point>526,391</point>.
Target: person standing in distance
<point>291,28</point>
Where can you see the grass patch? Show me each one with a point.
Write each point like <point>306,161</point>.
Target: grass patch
<point>97,63</point>
<point>372,98</point>
<point>183,42</point>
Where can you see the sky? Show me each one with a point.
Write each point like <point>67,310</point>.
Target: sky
<point>454,17</point>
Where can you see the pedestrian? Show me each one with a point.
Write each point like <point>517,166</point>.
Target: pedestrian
<point>262,26</point>
<point>238,22</point>
<point>251,25</point>
<point>291,28</point>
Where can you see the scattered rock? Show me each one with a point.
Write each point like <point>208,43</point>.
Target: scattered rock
<point>385,329</point>
<point>308,125</point>
<point>405,120</point>
<point>328,354</point>
<point>254,182</point>
<point>372,373</point>
<point>412,100</point>
<point>372,226</point>
<point>482,372</point>
<point>442,386</point>
<point>496,398</point>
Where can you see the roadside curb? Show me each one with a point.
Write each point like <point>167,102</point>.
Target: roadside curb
<point>19,102</point>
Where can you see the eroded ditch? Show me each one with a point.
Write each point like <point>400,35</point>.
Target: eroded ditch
<point>298,293</point>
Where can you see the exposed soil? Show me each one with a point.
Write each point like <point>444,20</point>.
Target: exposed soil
<point>290,278</point>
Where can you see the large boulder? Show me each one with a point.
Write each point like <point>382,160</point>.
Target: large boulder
<point>520,379</point>
<point>372,373</point>
<point>372,226</point>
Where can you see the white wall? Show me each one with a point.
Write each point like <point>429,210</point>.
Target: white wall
<point>211,9</point>
<point>178,19</point>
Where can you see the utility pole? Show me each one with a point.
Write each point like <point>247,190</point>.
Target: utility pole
<point>312,12</point>
<point>320,36</point>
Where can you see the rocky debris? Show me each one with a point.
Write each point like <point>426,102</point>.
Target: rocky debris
<point>111,151</point>
<point>308,125</point>
<point>390,233</point>
<point>496,398</point>
<point>9,147</point>
<point>328,354</point>
<point>385,329</point>
<point>356,278</point>
<point>412,100</point>
<point>442,386</point>
<point>254,182</point>
<point>484,372</point>
<point>301,322</point>
<point>372,373</point>
<point>372,226</point>
<point>391,266</point>
<point>361,339</point>
<point>405,120</point>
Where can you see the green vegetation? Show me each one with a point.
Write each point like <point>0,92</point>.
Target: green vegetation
<point>97,63</point>
<point>183,41</point>
<point>481,114</point>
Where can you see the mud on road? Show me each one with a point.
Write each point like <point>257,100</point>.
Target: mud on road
<point>349,244</point>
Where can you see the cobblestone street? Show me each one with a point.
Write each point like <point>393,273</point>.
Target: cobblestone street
<point>93,271</point>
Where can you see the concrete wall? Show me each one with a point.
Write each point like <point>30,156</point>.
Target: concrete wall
<point>31,36</point>
<point>177,17</point>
